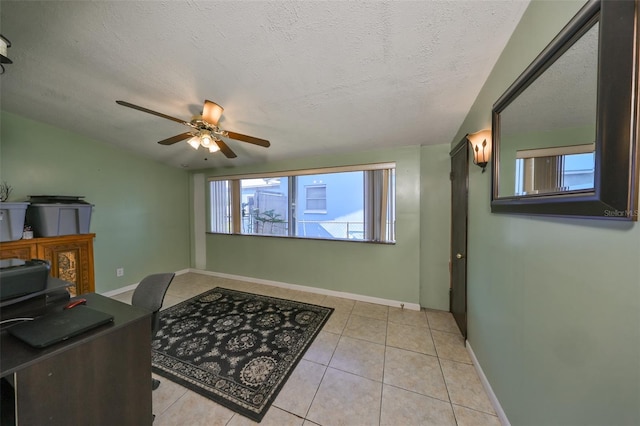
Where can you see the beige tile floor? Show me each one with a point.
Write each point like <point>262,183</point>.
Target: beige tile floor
<point>370,365</point>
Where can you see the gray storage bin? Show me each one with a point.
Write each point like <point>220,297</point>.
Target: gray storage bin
<point>52,219</point>
<point>12,217</point>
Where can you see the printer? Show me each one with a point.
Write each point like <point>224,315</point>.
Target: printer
<point>21,277</point>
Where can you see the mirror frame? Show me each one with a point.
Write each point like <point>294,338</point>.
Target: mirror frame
<point>614,195</point>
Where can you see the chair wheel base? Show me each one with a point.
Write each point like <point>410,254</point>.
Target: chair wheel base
<point>155,384</point>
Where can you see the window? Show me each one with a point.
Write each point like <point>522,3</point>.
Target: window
<point>558,169</point>
<point>220,206</point>
<point>342,203</point>
<point>316,198</point>
<point>333,205</point>
<point>265,206</point>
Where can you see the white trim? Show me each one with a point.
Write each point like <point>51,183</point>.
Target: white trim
<point>487,387</point>
<point>120,290</point>
<point>199,221</point>
<point>556,151</point>
<point>352,296</point>
<point>312,171</point>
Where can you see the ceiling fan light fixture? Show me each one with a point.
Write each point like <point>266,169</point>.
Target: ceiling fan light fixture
<point>211,112</point>
<point>214,147</point>
<point>205,139</point>
<point>194,142</point>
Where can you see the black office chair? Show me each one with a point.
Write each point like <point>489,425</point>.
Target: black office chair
<point>149,295</point>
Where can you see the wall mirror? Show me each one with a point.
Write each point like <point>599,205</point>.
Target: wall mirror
<point>564,133</point>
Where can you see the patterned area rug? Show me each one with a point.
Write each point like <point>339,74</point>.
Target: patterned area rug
<point>235,348</point>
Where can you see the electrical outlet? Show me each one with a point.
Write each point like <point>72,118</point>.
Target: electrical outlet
<point>119,272</point>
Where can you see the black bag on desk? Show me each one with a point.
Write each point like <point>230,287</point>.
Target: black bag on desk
<point>21,277</point>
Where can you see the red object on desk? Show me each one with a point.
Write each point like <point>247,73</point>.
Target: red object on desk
<point>75,303</point>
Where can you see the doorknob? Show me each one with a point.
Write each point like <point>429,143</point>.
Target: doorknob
<point>459,256</point>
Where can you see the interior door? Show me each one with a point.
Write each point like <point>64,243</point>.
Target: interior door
<point>458,259</point>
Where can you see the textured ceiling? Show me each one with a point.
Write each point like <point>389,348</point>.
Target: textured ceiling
<point>312,77</point>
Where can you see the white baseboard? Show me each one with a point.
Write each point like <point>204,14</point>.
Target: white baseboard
<point>352,296</point>
<point>487,387</point>
<point>117,291</point>
<point>133,286</point>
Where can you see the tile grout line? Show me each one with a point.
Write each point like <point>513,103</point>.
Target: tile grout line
<point>384,369</point>
<point>444,379</point>
<point>446,386</point>
<point>323,374</point>
<point>476,410</point>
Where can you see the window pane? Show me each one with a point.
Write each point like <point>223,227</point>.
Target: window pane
<point>316,198</point>
<point>264,206</point>
<point>579,171</point>
<point>334,206</point>
<point>220,198</point>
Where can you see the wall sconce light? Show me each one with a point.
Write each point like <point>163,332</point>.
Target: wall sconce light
<point>4,45</point>
<point>481,146</point>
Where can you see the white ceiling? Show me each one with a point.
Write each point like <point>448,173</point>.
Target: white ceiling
<point>313,77</point>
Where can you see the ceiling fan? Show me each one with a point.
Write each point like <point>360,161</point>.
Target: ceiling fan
<point>204,130</point>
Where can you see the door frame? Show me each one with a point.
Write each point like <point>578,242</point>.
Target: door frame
<point>462,145</point>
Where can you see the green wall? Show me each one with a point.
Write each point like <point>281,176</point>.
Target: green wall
<point>141,213</point>
<point>554,304</point>
<point>143,210</point>
<point>377,270</point>
<point>435,229</point>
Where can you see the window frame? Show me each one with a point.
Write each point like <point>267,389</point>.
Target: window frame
<point>375,207</point>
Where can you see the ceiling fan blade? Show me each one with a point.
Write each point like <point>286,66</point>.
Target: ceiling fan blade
<point>211,112</point>
<point>148,111</point>
<point>250,139</point>
<point>176,138</point>
<point>225,149</point>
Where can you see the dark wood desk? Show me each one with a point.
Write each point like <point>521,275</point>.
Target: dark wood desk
<point>102,377</point>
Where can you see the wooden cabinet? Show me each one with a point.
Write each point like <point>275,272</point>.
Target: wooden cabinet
<point>70,256</point>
